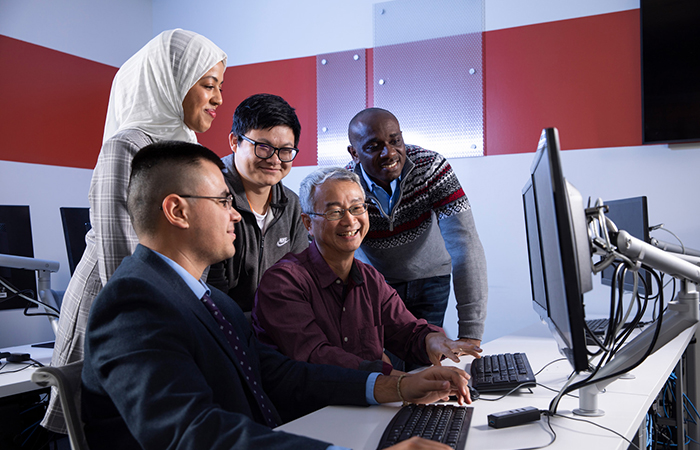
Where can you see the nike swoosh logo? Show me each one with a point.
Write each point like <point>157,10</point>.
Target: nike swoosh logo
<point>282,241</point>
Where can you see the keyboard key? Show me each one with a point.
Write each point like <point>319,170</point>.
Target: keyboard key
<point>503,372</point>
<point>448,424</point>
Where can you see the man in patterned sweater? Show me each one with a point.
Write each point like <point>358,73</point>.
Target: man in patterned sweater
<point>421,224</point>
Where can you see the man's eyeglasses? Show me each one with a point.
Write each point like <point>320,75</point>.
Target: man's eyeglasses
<point>226,202</point>
<point>337,214</point>
<point>265,151</point>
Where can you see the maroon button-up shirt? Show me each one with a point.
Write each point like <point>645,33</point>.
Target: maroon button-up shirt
<point>305,311</point>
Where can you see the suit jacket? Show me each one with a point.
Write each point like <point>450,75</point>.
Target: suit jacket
<point>159,373</point>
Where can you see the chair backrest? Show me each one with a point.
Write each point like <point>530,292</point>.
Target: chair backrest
<point>68,382</point>
<point>76,223</point>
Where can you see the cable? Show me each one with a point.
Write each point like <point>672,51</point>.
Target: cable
<point>661,227</point>
<point>551,441</point>
<point>33,364</point>
<point>607,356</point>
<point>481,396</point>
<point>555,390</point>
<point>17,293</point>
<point>599,426</point>
<point>549,364</point>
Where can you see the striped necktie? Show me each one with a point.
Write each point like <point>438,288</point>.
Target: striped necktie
<point>266,406</point>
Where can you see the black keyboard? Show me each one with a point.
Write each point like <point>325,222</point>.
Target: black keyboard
<point>599,327</point>
<point>496,373</point>
<point>444,423</point>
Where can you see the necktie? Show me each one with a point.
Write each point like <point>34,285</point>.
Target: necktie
<point>253,383</point>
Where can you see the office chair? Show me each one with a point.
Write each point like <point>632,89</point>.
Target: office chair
<point>67,381</point>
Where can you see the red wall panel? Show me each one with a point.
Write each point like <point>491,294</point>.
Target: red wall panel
<point>52,105</point>
<point>292,79</point>
<point>580,75</point>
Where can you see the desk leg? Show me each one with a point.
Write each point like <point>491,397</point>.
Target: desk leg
<point>681,429</point>
<point>692,384</point>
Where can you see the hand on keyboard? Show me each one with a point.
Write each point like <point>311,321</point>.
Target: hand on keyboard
<point>437,345</point>
<point>436,383</point>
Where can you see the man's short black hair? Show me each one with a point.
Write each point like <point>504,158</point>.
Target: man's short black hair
<point>158,170</point>
<point>262,112</point>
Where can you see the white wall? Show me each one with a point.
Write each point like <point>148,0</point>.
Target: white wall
<point>259,31</point>
<point>517,13</point>
<point>100,30</point>
<point>110,32</point>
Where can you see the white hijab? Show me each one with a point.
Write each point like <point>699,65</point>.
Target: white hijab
<point>148,90</point>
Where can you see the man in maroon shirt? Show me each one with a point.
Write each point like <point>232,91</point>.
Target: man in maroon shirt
<point>324,306</point>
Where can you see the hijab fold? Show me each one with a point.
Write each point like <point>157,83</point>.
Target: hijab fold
<point>148,90</point>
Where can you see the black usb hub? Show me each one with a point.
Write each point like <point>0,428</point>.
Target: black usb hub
<point>513,417</point>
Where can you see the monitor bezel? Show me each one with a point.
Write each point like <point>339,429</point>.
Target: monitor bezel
<point>571,242</point>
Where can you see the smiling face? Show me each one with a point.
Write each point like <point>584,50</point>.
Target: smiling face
<point>257,173</point>
<point>337,240</point>
<point>377,144</point>
<point>203,98</point>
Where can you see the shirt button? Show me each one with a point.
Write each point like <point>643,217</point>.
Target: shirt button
<point>343,308</point>
<point>337,281</point>
<point>345,339</point>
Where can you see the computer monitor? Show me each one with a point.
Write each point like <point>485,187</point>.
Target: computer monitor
<point>559,252</point>
<point>76,224</point>
<point>629,214</point>
<point>561,268</point>
<point>16,239</point>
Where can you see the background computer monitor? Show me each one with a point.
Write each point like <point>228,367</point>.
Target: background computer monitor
<point>559,252</point>
<point>629,214</point>
<point>76,224</point>
<point>16,239</point>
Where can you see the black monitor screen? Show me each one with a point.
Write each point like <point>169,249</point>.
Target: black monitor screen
<point>555,219</point>
<point>629,214</point>
<point>76,224</point>
<point>16,239</point>
<point>670,45</point>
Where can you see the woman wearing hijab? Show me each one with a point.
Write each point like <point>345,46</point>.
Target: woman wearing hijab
<point>168,90</point>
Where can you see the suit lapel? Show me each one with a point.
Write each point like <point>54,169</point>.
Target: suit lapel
<point>180,294</point>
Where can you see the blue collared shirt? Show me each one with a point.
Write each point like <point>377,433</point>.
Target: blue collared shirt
<point>387,201</point>
<point>197,286</point>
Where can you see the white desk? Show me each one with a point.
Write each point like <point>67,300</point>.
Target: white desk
<point>12,383</point>
<point>625,404</point>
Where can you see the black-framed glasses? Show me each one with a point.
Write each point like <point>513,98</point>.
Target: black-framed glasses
<point>265,151</point>
<point>356,210</point>
<point>226,202</point>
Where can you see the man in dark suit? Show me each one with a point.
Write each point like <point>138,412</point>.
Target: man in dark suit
<point>172,363</point>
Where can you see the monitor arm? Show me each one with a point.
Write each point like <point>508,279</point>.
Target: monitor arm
<point>682,313</point>
<point>44,268</point>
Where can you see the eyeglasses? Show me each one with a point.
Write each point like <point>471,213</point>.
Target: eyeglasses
<point>226,202</point>
<point>266,151</point>
<point>337,214</point>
